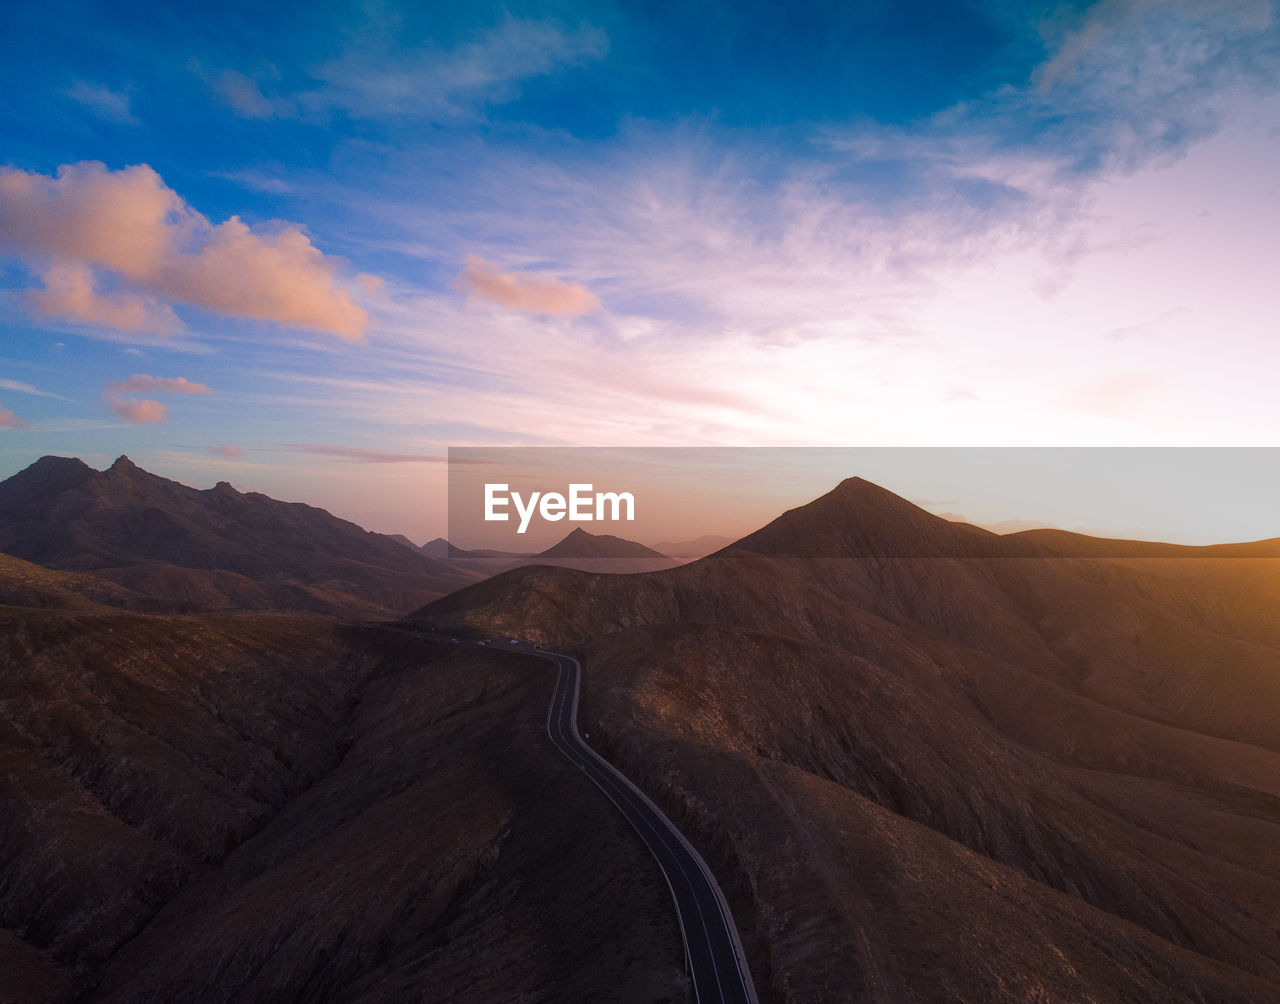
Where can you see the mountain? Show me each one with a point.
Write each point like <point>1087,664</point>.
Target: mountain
<point>925,763</point>
<point>858,519</point>
<point>599,552</point>
<point>400,538</point>
<point>929,762</point>
<point>276,807</point>
<point>210,549</point>
<point>688,550</point>
<point>441,548</point>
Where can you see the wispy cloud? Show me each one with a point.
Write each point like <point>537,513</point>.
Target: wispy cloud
<point>26,388</point>
<point>103,102</point>
<point>146,384</point>
<point>226,450</point>
<point>133,227</point>
<point>376,78</point>
<point>363,455</point>
<point>534,294</point>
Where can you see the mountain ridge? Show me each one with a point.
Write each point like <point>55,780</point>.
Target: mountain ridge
<point>218,547</point>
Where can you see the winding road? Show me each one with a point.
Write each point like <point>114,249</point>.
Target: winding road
<point>714,951</point>
<point>712,947</point>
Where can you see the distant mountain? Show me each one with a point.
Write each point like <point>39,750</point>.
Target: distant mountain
<point>1057,754</point>
<point>400,538</point>
<point>209,549</point>
<point>600,552</point>
<point>441,548</point>
<point>689,550</point>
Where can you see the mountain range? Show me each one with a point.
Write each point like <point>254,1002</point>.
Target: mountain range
<point>925,761</point>
<point>213,548</point>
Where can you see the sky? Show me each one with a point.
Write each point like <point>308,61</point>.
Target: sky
<point>308,248</point>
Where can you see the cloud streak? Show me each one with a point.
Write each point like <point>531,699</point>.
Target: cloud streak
<point>103,102</point>
<point>523,291</point>
<point>129,225</point>
<point>26,388</point>
<point>376,79</point>
<point>364,456</point>
<point>145,384</point>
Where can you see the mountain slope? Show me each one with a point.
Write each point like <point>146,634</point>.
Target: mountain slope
<point>209,549</point>
<point>1093,741</point>
<point>276,807</point>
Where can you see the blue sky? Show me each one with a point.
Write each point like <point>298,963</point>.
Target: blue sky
<point>363,233</point>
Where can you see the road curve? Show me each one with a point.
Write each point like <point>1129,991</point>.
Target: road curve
<point>714,951</point>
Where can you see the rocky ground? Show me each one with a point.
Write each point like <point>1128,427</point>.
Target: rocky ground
<point>274,807</point>
<point>967,774</point>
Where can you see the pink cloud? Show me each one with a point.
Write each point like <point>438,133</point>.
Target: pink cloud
<point>140,412</point>
<point>8,420</point>
<point>226,450</point>
<point>521,291</point>
<point>144,383</point>
<point>69,293</point>
<point>130,224</point>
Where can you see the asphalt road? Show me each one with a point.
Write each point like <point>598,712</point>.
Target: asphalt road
<point>712,947</point>
<point>711,941</point>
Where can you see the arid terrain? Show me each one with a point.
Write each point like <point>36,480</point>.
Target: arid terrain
<point>934,764</point>
<point>925,762</point>
<point>275,807</point>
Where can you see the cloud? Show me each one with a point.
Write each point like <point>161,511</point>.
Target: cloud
<point>1135,80</point>
<point>364,456</point>
<point>138,411</point>
<point>1160,28</point>
<point>69,293</point>
<point>26,388</point>
<point>131,225</point>
<point>146,384</point>
<point>103,102</point>
<point>225,450</point>
<point>521,291</point>
<point>374,78</point>
<point>246,98</point>
<point>8,420</point>
<point>142,411</point>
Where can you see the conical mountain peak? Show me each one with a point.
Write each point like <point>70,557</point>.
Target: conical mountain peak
<point>859,518</point>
